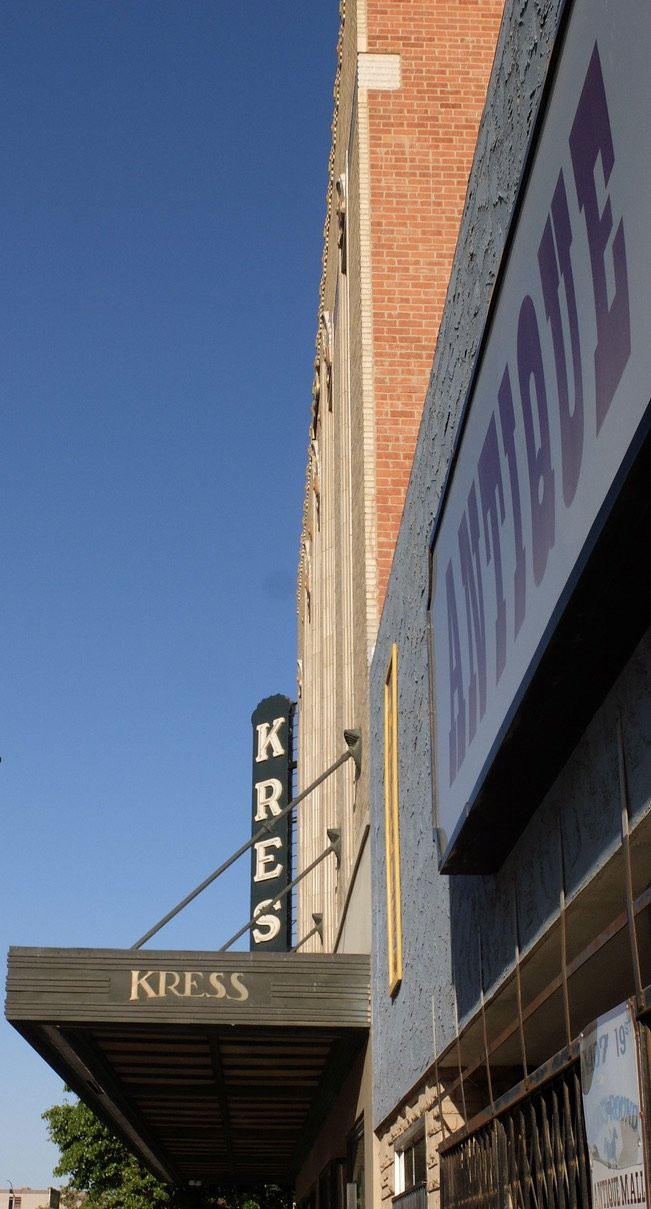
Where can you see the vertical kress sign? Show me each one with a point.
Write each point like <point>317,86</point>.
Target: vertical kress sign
<point>271,853</point>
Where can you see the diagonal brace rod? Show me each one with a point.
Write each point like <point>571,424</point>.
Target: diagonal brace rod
<point>353,752</point>
<point>333,846</point>
<point>317,930</point>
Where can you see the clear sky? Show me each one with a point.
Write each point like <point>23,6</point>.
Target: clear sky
<point>163,175</point>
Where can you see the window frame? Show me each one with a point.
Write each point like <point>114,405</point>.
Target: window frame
<point>406,1145</point>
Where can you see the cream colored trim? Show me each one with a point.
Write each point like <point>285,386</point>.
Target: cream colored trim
<point>378,71</point>
<point>362,25</point>
<point>368,369</point>
<point>392,823</point>
<point>324,265</point>
<point>351,883</point>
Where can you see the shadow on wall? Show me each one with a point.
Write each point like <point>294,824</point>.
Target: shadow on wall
<point>554,901</point>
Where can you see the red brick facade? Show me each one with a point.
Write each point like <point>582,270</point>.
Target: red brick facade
<point>422,138</point>
<point>410,86</point>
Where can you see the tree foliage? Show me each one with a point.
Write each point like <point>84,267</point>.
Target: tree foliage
<point>94,1161</point>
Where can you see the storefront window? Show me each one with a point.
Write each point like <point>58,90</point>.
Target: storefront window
<point>410,1162</point>
<point>355,1190</point>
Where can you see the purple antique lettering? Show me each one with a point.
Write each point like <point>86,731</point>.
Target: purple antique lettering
<point>472,586</point>
<point>457,702</point>
<point>536,434</point>
<point>590,141</point>
<point>491,493</point>
<point>507,424</point>
<point>551,273</point>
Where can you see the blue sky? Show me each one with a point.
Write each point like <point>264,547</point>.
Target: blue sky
<point>164,168</point>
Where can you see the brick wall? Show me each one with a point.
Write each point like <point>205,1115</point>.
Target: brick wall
<point>409,92</point>
<point>442,1116</point>
<point>421,141</point>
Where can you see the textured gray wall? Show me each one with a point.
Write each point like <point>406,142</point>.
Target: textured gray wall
<point>442,916</point>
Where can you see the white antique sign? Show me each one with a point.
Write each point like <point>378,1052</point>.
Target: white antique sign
<point>611,1105</point>
<point>559,402</point>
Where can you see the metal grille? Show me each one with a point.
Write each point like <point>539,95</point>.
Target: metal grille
<point>533,1156</point>
<point>413,1198</point>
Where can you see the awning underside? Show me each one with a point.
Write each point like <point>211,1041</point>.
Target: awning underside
<point>205,1099</point>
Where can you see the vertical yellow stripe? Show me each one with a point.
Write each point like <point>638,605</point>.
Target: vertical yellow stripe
<point>392,824</point>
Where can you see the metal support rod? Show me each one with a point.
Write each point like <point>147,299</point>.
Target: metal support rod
<point>563,923</point>
<point>518,981</point>
<point>308,936</point>
<point>628,867</point>
<point>459,1062</point>
<point>354,741</point>
<point>437,1076</point>
<point>317,930</point>
<point>483,1020</point>
<point>333,846</point>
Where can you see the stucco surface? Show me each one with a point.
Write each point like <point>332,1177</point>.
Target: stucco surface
<point>445,919</point>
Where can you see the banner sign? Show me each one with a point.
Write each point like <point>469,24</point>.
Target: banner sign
<point>559,402</point>
<point>270,855</point>
<point>611,1106</point>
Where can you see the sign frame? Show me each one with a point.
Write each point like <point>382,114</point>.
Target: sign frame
<point>613,1109</point>
<point>271,856</point>
<point>466,595</point>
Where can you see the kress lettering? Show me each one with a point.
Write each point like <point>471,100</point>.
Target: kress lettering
<point>187,984</point>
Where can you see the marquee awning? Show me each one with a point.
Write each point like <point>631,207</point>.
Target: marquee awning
<point>213,1067</point>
